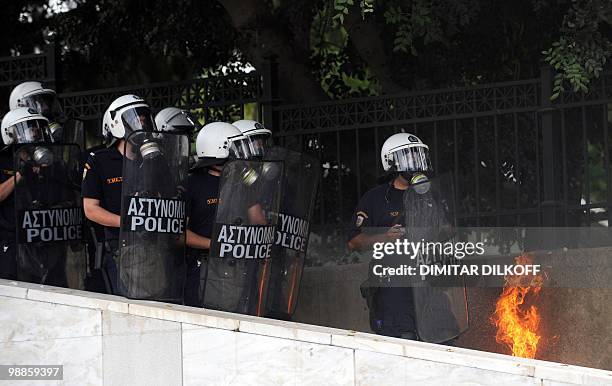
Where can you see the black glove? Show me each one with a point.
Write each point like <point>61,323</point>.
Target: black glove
<point>26,169</point>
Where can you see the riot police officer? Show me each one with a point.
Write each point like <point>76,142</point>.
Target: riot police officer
<point>44,100</point>
<point>102,175</point>
<point>407,158</point>
<point>179,121</point>
<point>216,143</point>
<point>19,126</point>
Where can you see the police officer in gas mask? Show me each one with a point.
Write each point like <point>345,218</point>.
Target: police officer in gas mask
<point>216,143</point>
<point>43,100</point>
<point>378,217</point>
<point>179,121</point>
<point>21,126</point>
<point>103,172</point>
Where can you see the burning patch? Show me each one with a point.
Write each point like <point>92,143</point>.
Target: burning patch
<point>516,316</point>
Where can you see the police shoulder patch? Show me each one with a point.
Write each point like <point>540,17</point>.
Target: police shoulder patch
<point>361,216</point>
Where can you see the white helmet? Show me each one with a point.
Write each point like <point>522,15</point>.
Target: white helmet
<point>34,95</point>
<point>126,114</point>
<point>173,119</point>
<point>219,141</point>
<point>259,137</point>
<point>405,152</point>
<point>24,125</point>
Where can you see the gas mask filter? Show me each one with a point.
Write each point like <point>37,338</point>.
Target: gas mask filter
<point>420,183</point>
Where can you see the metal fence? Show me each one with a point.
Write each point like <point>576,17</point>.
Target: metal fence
<point>210,99</point>
<point>517,158</point>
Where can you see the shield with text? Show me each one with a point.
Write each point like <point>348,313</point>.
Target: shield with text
<point>49,214</point>
<point>300,182</point>
<point>440,305</point>
<point>151,260</point>
<point>238,269</point>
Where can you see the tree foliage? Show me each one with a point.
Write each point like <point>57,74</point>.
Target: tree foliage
<point>584,47</point>
<point>325,48</point>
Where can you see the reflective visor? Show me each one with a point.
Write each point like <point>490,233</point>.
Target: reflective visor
<point>412,159</point>
<point>29,131</point>
<point>138,118</point>
<point>45,103</point>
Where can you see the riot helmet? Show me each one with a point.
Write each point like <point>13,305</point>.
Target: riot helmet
<point>406,154</point>
<point>125,115</point>
<point>24,125</point>
<point>175,120</point>
<point>34,95</point>
<point>219,141</point>
<point>260,138</point>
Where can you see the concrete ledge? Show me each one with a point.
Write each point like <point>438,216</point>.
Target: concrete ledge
<point>285,348</point>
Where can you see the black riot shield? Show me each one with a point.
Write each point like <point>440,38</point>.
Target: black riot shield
<point>238,269</point>
<point>151,260</point>
<point>49,213</point>
<point>440,303</point>
<point>300,181</point>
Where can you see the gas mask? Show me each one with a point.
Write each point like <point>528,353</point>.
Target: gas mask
<point>419,182</point>
<point>57,132</point>
<point>150,150</point>
<point>42,156</point>
<point>269,171</point>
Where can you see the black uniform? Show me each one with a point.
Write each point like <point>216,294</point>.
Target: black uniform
<point>391,308</point>
<point>202,200</point>
<point>102,180</point>
<point>8,264</point>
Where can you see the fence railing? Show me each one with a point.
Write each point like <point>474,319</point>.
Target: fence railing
<point>517,157</point>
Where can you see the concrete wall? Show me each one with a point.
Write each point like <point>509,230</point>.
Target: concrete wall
<point>113,341</point>
<point>576,322</point>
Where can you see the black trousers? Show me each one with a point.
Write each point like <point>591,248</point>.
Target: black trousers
<point>8,260</point>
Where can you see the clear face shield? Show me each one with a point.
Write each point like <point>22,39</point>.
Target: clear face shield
<point>259,144</point>
<point>414,165</point>
<point>184,123</point>
<point>46,104</point>
<point>137,119</point>
<point>31,131</point>
<point>241,148</point>
<point>412,160</point>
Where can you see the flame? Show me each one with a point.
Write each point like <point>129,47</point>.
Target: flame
<point>517,322</point>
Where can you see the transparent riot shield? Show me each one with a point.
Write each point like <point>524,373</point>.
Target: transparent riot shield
<point>151,260</point>
<point>73,131</point>
<point>440,303</point>
<point>300,181</point>
<point>238,269</point>
<point>49,213</point>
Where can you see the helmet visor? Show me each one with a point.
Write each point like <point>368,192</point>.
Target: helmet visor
<point>138,119</point>
<point>183,123</point>
<point>412,159</point>
<point>45,103</point>
<point>241,148</point>
<point>29,131</point>
<point>259,144</point>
